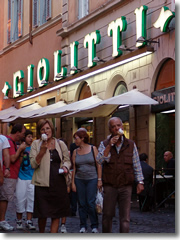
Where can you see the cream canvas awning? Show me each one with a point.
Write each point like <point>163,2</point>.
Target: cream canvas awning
<point>20,112</point>
<point>107,106</point>
<point>6,113</point>
<point>35,114</point>
<point>75,106</point>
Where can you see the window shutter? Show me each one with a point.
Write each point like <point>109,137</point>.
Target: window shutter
<point>48,9</point>
<point>42,11</point>
<point>83,8</point>
<point>35,12</point>
<point>9,23</point>
<point>20,11</point>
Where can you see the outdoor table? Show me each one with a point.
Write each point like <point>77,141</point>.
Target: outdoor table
<point>168,183</point>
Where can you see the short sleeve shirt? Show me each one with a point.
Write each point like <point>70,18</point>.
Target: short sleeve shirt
<point>14,167</point>
<point>4,143</point>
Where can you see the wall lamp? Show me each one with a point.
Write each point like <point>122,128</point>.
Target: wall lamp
<point>45,82</point>
<point>142,40</point>
<point>19,93</point>
<point>124,48</point>
<point>96,59</point>
<point>6,98</point>
<point>75,69</point>
<point>31,88</point>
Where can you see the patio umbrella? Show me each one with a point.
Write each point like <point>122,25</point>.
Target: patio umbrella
<point>106,107</point>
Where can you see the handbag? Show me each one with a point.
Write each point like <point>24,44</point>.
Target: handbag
<point>1,176</point>
<point>68,176</point>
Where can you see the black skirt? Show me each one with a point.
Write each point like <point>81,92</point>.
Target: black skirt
<point>53,201</point>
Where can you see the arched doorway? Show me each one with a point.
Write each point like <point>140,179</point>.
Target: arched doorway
<point>85,122</point>
<point>165,112</point>
<point>123,111</point>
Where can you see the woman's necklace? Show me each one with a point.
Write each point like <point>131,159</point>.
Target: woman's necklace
<point>50,146</point>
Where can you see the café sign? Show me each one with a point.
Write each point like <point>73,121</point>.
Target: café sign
<point>114,30</point>
<point>166,99</point>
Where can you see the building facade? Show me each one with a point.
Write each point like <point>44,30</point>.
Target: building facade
<point>81,48</point>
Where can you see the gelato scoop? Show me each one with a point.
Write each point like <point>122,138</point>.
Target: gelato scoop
<point>120,132</point>
<point>44,137</point>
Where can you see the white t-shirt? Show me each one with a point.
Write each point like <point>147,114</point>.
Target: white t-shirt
<point>4,143</point>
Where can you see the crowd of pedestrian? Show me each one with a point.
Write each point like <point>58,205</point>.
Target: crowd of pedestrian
<point>46,180</point>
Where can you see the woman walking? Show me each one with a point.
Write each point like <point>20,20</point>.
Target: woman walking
<point>86,179</point>
<point>47,155</point>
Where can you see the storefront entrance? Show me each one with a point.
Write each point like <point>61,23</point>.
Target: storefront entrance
<point>165,137</point>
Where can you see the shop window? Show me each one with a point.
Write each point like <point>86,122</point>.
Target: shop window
<point>83,8</point>
<point>85,92</point>
<point>123,111</point>
<point>84,122</point>
<point>120,88</point>
<point>41,12</point>
<point>165,116</point>
<point>14,25</point>
<point>165,137</point>
<point>32,127</point>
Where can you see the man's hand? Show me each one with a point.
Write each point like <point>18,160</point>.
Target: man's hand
<point>140,188</point>
<point>114,140</point>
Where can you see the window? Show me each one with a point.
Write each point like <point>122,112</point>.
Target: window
<point>14,25</point>
<point>41,12</point>
<point>83,8</point>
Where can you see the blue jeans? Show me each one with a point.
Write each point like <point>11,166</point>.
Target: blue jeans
<point>86,194</point>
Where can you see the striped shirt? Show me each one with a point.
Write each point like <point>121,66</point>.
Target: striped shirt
<point>136,162</point>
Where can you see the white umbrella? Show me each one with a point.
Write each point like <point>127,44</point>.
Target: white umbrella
<point>107,106</point>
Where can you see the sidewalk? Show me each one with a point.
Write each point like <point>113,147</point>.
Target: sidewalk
<point>160,221</point>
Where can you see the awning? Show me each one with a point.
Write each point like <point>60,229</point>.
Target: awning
<point>107,106</point>
<point>35,114</point>
<point>75,106</point>
<point>6,113</point>
<point>20,112</point>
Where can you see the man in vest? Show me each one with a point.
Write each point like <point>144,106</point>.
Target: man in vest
<point>121,166</point>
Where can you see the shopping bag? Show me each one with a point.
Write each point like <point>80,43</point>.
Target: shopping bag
<point>99,202</point>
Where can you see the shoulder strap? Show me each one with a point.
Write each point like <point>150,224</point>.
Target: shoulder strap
<point>92,149</point>
<point>13,143</point>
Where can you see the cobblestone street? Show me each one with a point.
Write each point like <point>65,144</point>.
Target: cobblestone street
<point>160,221</point>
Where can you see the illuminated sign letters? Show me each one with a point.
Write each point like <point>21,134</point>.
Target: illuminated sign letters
<point>90,42</point>
<point>43,72</point>
<point>61,72</point>
<point>115,29</point>
<point>18,86</point>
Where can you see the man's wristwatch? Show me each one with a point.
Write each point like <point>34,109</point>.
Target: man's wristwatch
<point>141,182</point>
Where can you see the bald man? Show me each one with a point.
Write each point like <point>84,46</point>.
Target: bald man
<point>170,161</point>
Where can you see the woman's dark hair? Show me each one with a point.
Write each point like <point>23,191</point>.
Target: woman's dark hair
<point>82,134</point>
<point>41,123</point>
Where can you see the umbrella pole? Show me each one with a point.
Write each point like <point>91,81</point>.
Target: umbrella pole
<point>135,124</point>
